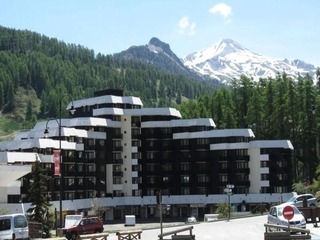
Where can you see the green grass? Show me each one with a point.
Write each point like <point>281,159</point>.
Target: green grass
<point>8,128</point>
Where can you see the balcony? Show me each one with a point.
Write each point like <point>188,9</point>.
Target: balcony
<point>117,174</point>
<point>117,148</point>
<point>117,161</point>
<point>243,170</point>
<point>117,136</point>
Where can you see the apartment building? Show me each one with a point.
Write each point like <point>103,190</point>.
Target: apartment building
<point>115,150</point>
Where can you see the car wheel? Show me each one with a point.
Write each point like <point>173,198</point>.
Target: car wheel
<point>74,236</point>
<point>312,205</point>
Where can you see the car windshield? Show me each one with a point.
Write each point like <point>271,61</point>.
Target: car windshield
<point>77,222</point>
<point>20,222</point>
<point>292,199</point>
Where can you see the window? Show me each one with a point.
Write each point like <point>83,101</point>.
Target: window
<point>165,143</point>
<point>202,141</point>
<point>5,224</point>
<point>117,143</point>
<point>203,178</point>
<point>203,167</point>
<point>167,130</point>
<point>136,155</point>
<point>136,180</point>
<point>184,166</point>
<point>202,190</point>
<point>20,222</point>
<point>80,168</point>
<point>151,167</point>
<point>223,178</point>
<point>167,167</point>
<point>116,168</point>
<point>185,191</point>
<point>242,177</point>
<point>136,192</point>
<point>184,142</point>
<point>80,181</point>
<point>242,152</point>
<point>224,165</point>
<point>264,164</point>
<point>136,143</point>
<point>242,165</point>
<point>117,180</point>
<point>223,153</point>
<point>70,181</point>
<point>264,177</point>
<point>185,179</point>
<point>150,192</point>
<point>91,142</point>
<point>150,155</point>
<point>166,155</point>
<point>91,168</point>
<point>151,180</point>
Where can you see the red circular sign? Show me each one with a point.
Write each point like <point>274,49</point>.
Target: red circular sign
<point>288,212</point>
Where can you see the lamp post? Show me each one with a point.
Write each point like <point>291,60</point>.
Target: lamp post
<point>60,172</point>
<point>228,191</point>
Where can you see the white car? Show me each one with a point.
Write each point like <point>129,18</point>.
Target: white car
<point>191,220</point>
<point>276,217</point>
<point>297,200</point>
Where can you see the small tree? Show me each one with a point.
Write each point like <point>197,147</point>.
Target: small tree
<point>97,209</point>
<point>39,212</point>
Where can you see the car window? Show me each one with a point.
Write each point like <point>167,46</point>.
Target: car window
<point>273,212</point>
<point>5,224</point>
<point>94,221</point>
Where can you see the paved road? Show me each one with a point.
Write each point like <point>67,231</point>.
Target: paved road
<point>251,228</point>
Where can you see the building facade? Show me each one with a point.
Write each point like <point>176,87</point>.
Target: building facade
<point>115,150</point>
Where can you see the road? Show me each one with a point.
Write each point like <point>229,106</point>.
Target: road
<point>251,228</point>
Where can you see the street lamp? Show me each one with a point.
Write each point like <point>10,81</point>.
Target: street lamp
<point>228,191</point>
<point>60,172</point>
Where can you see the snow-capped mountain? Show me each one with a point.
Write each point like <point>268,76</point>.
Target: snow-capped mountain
<point>227,60</point>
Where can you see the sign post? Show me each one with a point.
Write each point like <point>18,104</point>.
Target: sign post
<point>288,213</point>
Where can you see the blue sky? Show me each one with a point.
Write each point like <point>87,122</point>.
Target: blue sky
<point>275,28</point>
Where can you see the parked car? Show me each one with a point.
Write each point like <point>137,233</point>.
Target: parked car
<point>84,225</point>
<point>14,226</point>
<point>190,220</point>
<point>275,216</point>
<point>297,200</point>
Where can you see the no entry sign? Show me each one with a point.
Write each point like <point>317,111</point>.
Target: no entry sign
<point>288,212</point>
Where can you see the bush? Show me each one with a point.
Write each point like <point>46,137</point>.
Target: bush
<point>223,210</point>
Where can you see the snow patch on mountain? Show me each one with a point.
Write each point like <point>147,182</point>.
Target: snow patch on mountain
<point>228,60</point>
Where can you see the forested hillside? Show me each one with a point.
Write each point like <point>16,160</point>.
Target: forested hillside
<point>49,67</point>
<point>279,108</point>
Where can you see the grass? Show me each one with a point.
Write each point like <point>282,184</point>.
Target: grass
<point>8,128</point>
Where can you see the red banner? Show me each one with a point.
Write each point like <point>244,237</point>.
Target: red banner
<point>56,158</point>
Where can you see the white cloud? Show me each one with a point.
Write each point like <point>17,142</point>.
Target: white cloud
<point>184,22</point>
<point>187,27</point>
<point>222,9</point>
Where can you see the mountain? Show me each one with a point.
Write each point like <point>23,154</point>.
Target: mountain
<point>227,60</point>
<point>160,55</point>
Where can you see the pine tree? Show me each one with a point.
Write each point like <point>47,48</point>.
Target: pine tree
<point>40,211</point>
